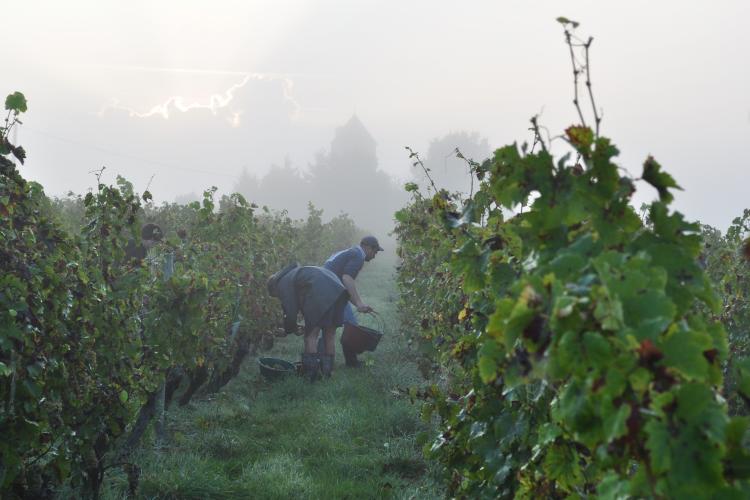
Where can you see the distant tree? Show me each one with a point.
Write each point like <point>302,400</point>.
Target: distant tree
<point>446,169</point>
<point>347,180</point>
<point>247,185</point>
<point>69,210</point>
<point>343,180</point>
<point>285,188</point>
<point>184,199</point>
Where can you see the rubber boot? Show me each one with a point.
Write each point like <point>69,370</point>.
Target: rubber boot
<point>350,357</point>
<point>326,365</point>
<point>310,366</point>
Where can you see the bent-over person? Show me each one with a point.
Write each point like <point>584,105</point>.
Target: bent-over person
<point>321,297</point>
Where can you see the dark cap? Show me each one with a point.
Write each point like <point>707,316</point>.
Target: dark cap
<point>372,242</point>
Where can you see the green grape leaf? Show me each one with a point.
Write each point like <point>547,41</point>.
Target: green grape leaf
<point>611,487</point>
<point>16,102</point>
<point>697,406</point>
<point>662,181</point>
<point>640,380</point>
<point>562,464</point>
<point>657,443</point>
<point>614,424</point>
<point>489,356</point>
<point>548,433</point>
<point>738,455</point>
<point>683,351</point>
<point>742,373</point>
<point>598,349</point>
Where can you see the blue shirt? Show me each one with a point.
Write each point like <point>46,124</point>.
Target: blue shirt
<point>349,261</point>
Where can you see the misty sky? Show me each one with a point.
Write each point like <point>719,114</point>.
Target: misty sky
<point>193,92</point>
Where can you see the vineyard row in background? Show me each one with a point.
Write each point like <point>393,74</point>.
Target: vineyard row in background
<point>94,344</point>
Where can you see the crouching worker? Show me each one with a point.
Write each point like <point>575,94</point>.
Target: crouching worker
<point>321,297</point>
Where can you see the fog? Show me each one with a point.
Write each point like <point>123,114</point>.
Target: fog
<point>183,95</point>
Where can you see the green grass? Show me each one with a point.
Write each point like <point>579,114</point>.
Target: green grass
<point>347,437</point>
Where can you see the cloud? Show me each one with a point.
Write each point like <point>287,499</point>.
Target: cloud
<point>239,120</point>
<point>221,104</point>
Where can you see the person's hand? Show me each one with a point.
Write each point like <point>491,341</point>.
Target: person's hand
<point>364,308</point>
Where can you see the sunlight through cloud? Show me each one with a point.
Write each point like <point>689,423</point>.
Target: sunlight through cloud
<point>215,102</point>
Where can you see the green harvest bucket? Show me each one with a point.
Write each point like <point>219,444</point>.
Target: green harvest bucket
<point>275,368</point>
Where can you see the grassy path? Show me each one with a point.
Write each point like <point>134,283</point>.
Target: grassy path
<point>347,437</point>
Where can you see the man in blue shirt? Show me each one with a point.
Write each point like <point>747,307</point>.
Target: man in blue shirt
<point>347,264</point>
